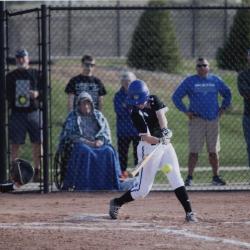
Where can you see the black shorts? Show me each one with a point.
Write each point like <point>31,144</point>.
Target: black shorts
<point>20,123</point>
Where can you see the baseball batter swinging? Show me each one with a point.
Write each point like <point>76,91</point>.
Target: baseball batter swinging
<point>148,116</point>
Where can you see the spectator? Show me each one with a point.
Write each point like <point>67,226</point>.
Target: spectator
<point>244,90</point>
<point>86,82</point>
<point>93,163</point>
<point>23,91</point>
<point>203,113</point>
<point>125,131</point>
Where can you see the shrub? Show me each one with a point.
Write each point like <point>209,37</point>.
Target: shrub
<point>232,55</point>
<point>154,44</point>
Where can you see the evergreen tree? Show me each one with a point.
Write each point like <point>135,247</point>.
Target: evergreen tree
<point>233,54</point>
<point>154,44</point>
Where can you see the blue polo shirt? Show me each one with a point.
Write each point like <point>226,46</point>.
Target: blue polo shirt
<point>203,93</point>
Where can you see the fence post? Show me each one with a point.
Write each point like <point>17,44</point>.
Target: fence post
<point>69,29</point>
<point>45,99</point>
<point>118,31</point>
<point>3,144</point>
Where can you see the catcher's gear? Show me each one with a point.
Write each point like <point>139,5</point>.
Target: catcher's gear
<point>138,92</point>
<point>21,171</point>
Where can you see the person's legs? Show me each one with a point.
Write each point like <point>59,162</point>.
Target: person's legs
<point>192,161</point>
<point>135,140</point>
<point>123,147</point>
<point>143,183</point>
<point>36,150</point>
<point>17,133</point>
<point>213,147</point>
<point>246,130</point>
<point>214,162</point>
<point>176,181</point>
<point>196,141</point>
<point>14,151</point>
<point>34,131</point>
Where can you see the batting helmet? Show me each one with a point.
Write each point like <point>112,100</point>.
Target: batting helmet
<point>138,92</point>
<point>21,171</point>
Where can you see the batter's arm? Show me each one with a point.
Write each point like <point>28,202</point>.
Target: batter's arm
<point>150,139</point>
<point>162,117</point>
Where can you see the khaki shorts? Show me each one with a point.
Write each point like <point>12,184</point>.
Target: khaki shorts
<point>201,131</point>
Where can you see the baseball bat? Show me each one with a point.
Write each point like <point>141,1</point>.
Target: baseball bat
<point>143,162</point>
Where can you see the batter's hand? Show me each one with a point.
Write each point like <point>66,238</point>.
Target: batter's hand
<point>164,140</point>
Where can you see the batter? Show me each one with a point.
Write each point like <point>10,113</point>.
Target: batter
<point>148,116</point>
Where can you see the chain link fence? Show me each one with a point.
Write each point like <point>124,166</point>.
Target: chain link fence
<point>106,33</point>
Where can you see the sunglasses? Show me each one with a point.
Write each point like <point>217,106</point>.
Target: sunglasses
<point>89,64</point>
<point>201,65</point>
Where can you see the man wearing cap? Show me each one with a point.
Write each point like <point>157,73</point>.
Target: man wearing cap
<point>23,92</point>
<point>125,130</point>
<point>244,90</point>
<point>203,112</point>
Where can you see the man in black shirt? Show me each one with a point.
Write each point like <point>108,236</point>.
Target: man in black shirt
<point>148,116</point>
<point>23,92</point>
<point>86,82</point>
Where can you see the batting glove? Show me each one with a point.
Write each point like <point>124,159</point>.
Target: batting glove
<point>166,135</point>
<point>164,140</point>
<point>166,132</point>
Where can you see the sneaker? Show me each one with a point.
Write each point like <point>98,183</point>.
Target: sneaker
<point>218,181</point>
<point>190,217</point>
<point>113,209</point>
<point>189,180</point>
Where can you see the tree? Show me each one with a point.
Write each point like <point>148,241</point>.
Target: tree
<point>233,54</point>
<point>154,45</point>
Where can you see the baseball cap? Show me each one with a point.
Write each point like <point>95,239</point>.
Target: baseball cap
<point>128,76</point>
<point>22,53</point>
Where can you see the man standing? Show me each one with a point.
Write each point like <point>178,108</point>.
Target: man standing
<point>86,82</point>
<point>23,92</point>
<point>203,113</point>
<point>244,90</point>
<point>125,130</point>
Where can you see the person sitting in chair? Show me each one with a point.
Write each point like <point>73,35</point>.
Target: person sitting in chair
<point>93,163</point>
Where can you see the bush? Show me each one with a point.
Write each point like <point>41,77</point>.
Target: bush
<point>154,44</point>
<point>233,54</point>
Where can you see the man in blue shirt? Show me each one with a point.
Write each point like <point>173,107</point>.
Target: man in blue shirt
<point>203,112</point>
<point>244,90</point>
<point>125,130</point>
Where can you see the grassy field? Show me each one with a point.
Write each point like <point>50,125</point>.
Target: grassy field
<point>233,149</point>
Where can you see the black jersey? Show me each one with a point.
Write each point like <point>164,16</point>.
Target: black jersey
<point>145,119</point>
<point>18,84</point>
<point>90,84</point>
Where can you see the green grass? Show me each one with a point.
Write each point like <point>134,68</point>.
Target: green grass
<point>233,149</point>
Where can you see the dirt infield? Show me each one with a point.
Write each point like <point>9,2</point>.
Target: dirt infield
<point>80,221</point>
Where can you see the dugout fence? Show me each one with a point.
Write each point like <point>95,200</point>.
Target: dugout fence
<point>58,36</point>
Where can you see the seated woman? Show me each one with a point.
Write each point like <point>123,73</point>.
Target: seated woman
<point>93,163</point>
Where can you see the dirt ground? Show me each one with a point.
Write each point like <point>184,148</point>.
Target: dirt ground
<point>80,221</point>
